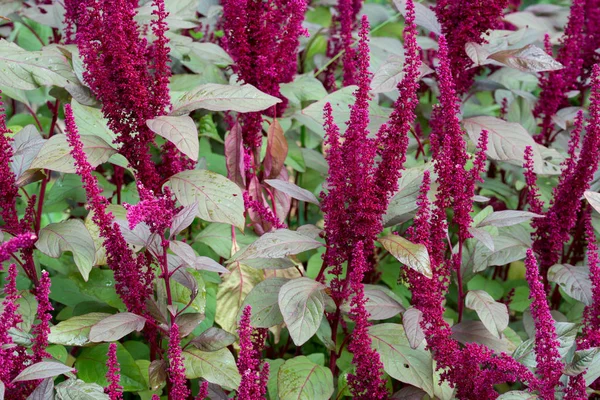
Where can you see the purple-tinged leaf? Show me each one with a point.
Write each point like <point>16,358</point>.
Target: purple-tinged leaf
<point>44,391</point>
<point>42,370</point>
<point>188,322</point>
<point>157,373</point>
<point>116,326</point>
<point>415,256</point>
<point>302,303</point>
<point>508,218</point>
<point>234,156</point>
<point>574,280</point>
<point>476,332</point>
<point>277,244</point>
<point>527,59</point>
<point>213,339</point>
<point>293,190</point>
<point>424,16</point>
<point>493,315</point>
<point>411,321</point>
<point>183,219</point>
<point>483,236</point>
<point>181,131</point>
<point>277,150</point>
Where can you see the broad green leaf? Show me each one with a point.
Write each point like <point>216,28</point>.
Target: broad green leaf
<point>565,331</point>
<point>218,198</point>
<point>274,366</point>
<point>72,389</point>
<point>91,367</point>
<point>215,366</point>
<point>581,361</point>
<point>574,280</point>
<point>301,379</point>
<point>75,331</point>
<point>277,244</point>
<point>264,302</point>
<point>116,326</point>
<point>506,140</point>
<point>517,395</point>
<point>91,121</point>
<point>302,303</point>
<point>44,391</point>
<point>413,255</point>
<point>70,235</point>
<point>218,238</point>
<point>400,361</point>
<point>216,97</point>
<point>494,315</point>
<point>293,190</point>
<point>56,153</point>
<point>232,292</point>
<point>405,199</point>
<point>378,304</point>
<point>181,131</point>
<point>42,370</point>
<point>424,16</point>
<point>27,310</point>
<point>304,88</point>
<point>28,70</point>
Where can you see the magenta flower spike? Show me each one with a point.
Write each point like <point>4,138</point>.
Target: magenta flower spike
<point>113,376</point>
<point>179,389</point>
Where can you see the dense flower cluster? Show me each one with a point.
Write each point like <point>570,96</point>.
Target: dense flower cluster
<point>133,278</point>
<point>463,22</point>
<point>254,372</point>
<point>262,39</point>
<point>42,329</point>
<point>179,389</point>
<point>128,76</point>
<point>556,84</point>
<point>113,376</point>
<point>553,231</point>
<point>8,190</point>
<point>549,366</point>
<point>14,244</point>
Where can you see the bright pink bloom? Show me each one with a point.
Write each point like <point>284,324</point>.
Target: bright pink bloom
<point>591,317</point>
<point>202,391</point>
<point>254,378</point>
<point>552,232</point>
<point>133,283</point>
<point>463,22</point>
<point>549,366</point>
<point>576,388</point>
<point>113,376</point>
<point>8,319</point>
<point>8,188</point>
<point>556,84</point>
<point>14,244</point>
<point>41,330</point>
<point>263,212</point>
<point>367,382</point>
<point>533,193</point>
<point>262,38</point>
<point>156,211</point>
<point>592,37</point>
<point>179,389</point>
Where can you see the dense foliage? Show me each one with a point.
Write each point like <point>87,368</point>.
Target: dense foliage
<point>291,199</point>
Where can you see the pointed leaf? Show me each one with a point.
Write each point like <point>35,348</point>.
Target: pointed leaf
<point>44,391</point>
<point>75,331</point>
<point>70,235</point>
<point>574,280</point>
<point>216,97</point>
<point>215,366</point>
<point>26,145</point>
<point>414,256</point>
<point>277,150</point>
<point>181,131</point>
<point>218,198</point>
<point>42,370</point>
<point>183,219</point>
<point>302,304</point>
<point>277,244</point>
<point>301,379</point>
<point>234,156</point>
<point>213,339</point>
<point>116,326</point>
<point>527,59</point>
<point>508,218</point>
<point>293,190</point>
<point>494,315</point>
<point>411,321</point>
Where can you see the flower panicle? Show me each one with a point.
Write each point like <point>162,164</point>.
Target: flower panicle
<point>179,389</point>
<point>254,372</point>
<point>549,365</point>
<point>202,391</point>
<point>113,376</point>
<point>14,244</point>
<point>42,329</point>
<point>131,283</point>
<point>591,316</point>
<point>533,193</point>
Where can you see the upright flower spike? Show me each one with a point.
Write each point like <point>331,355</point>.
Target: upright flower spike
<point>556,84</point>
<point>392,138</point>
<point>8,319</point>
<point>179,389</point>
<point>591,316</point>
<point>8,188</point>
<point>592,37</point>
<point>113,376</point>
<point>549,366</point>
<point>262,39</point>
<point>463,22</point>
<point>254,378</point>
<point>552,231</point>
<point>533,192</point>
<point>202,391</point>
<point>42,329</point>
<point>133,284</point>
<point>367,382</point>
<point>14,244</point>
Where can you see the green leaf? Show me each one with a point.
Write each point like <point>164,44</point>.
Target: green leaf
<point>91,367</point>
<point>494,315</point>
<point>301,379</point>
<point>42,370</point>
<point>400,361</point>
<point>302,303</point>
<point>215,366</point>
<point>293,190</point>
<point>26,145</point>
<point>216,97</point>
<point>264,301</point>
<point>56,153</point>
<point>44,391</point>
<point>213,339</point>
<point>218,198</point>
<point>508,218</point>
<point>274,366</point>
<point>116,326</point>
<point>414,256</point>
<point>405,199</point>
<point>277,244</point>
<point>72,389</point>
<point>181,131</point>
<point>232,292</point>
<point>411,321</point>
<point>75,331</point>
<point>70,235</point>
<point>91,121</point>
<point>28,70</point>
<point>527,59</point>
<point>574,280</point>
<point>378,304</point>
<point>581,361</point>
<point>517,395</point>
